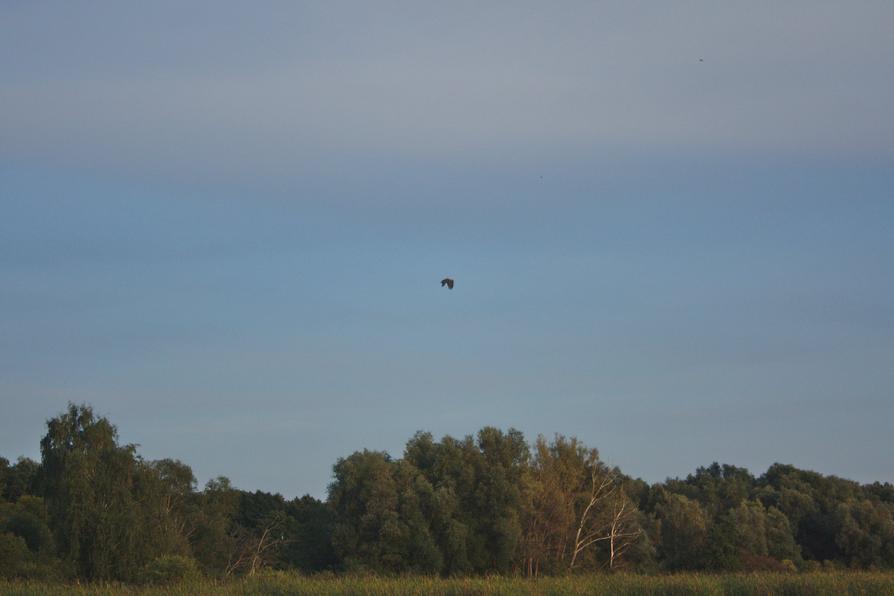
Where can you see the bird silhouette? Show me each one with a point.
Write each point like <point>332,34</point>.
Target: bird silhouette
<point>447,282</point>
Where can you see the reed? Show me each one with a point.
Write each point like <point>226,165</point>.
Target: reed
<point>820,583</point>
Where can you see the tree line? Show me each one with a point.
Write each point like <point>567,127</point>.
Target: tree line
<point>93,509</point>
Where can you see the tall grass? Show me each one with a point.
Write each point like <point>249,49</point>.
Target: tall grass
<point>823,583</point>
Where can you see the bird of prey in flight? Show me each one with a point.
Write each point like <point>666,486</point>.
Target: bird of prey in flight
<point>447,282</point>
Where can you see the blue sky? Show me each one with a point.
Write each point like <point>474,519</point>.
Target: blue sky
<point>670,228</point>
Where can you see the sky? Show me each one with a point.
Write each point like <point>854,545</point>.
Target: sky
<point>671,226</point>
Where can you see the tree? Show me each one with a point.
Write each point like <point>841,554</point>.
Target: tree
<point>485,503</point>
<point>717,488</point>
<point>27,519</point>
<point>810,501</point>
<point>14,555</point>
<point>865,533</point>
<point>310,531</point>
<point>683,530</point>
<point>255,550</point>
<point>214,539</point>
<point>501,475</point>
<point>382,509</point>
<point>590,526</point>
<point>479,497</point>
<point>164,491</point>
<point>450,466</point>
<point>105,505</point>
<point>750,522</point>
<point>18,479</point>
<point>781,543</point>
<point>562,472</point>
<point>88,479</point>
<point>577,503</point>
<point>623,528</point>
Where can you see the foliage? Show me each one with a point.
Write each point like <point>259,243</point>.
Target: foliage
<point>682,532</point>
<point>93,510</point>
<point>14,555</point>
<point>169,569</point>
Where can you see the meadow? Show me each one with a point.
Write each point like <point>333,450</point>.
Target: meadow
<point>820,583</point>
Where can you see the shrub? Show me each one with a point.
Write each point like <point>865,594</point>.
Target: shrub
<point>14,555</point>
<point>169,569</point>
<point>752,562</point>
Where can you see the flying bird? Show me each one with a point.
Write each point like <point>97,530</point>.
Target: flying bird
<point>447,282</point>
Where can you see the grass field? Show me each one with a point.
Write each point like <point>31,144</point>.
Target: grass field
<point>286,583</point>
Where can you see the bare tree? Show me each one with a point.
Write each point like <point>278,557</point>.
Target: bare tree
<point>576,502</point>
<point>590,528</point>
<point>621,534</point>
<point>254,551</point>
<point>557,469</point>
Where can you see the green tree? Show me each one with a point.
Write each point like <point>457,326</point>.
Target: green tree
<point>164,490</point>
<point>105,505</point>
<point>450,468</point>
<point>310,545</point>
<point>18,479</point>
<point>810,501</point>
<point>383,510</point>
<point>214,536</point>
<point>499,500</point>
<point>479,500</point>
<point>865,533</point>
<point>718,488</point>
<point>683,530</point>
<point>750,522</point>
<point>27,518</point>
<point>14,555</point>
<point>580,515</point>
<point>781,543</point>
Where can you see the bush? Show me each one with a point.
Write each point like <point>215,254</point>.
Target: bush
<point>810,566</point>
<point>752,562</point>
<point>14,555</point>
<point>169,569</point>
<point>32,530</point>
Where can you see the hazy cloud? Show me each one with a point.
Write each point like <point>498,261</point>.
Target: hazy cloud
<point>295,90</point>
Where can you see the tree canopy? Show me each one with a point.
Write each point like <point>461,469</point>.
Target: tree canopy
<point>93,508</point>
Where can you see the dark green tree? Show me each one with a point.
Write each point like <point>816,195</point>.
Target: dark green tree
<point>214,537</point>
<point>19,478</point>
<point>310,535</point>
<point>449,467</point>
<point>781,543</point>
<point>14,555</point>
<point>106,506</point>
<point>382,509</point>
<point>88,480</point>
<point>27,518</point>
<point>865,533</point>
<point>683,532</point>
